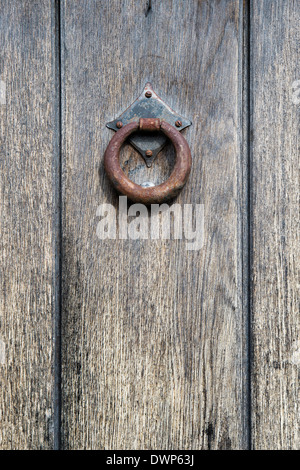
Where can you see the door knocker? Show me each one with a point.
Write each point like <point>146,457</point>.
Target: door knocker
<point>148,124</point>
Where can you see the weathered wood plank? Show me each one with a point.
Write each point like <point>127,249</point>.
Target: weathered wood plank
<point>153,347</point>
<point>275,41</point>
<point>27,124</point>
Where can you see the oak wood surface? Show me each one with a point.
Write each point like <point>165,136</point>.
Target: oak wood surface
<point>27,143</point>
<point>275,61</point>
<point>153,353</point>
<point>155,338</point>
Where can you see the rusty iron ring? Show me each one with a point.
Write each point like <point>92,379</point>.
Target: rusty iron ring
<point>156,194</point>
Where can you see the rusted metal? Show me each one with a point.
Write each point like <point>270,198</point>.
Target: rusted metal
<point>155,194</point>
<point>149,108</point>
<point>148,153</point>
<point>119,124</point>
<point>149,124</point>
<point>178,123</point>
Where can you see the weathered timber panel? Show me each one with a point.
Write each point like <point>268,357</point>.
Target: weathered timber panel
<point>27,148</point>
<point>153,348</point>
<point>275,68</point>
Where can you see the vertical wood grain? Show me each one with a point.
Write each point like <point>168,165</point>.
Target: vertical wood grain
<point>153,335</point>
<point>27,143</point>
<point>275,41</point>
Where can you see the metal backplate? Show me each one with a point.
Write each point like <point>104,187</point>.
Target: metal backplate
<point>149,105</point>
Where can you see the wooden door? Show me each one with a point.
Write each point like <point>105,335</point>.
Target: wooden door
<point>144,344</point>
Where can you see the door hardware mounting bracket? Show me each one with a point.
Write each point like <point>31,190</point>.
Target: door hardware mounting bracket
<point>149,105</point>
